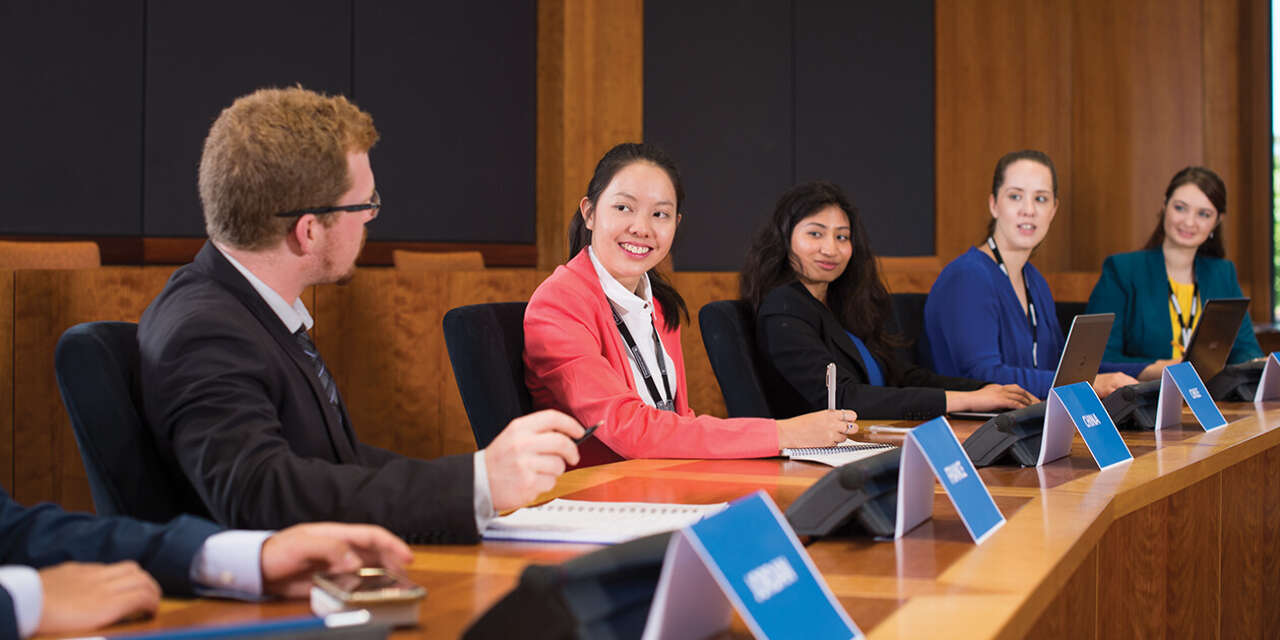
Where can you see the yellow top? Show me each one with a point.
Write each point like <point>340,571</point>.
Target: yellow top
<point>1184,293</point>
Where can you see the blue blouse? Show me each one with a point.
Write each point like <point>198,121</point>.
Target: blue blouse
<point>978,329</point>
<point>875,376</point>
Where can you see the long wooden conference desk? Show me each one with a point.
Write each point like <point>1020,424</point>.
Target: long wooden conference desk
<point>1181,542</point>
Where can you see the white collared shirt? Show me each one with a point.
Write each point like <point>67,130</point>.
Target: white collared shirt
<point>637,314</point>
<point>292,315</point>
<point>296,315</point>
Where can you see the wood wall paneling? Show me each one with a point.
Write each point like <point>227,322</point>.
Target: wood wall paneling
<point>383,338</point>
<point>1237,140</point>
<point>7,368</point>
<point>590,97</point>
<point>45,304</point>
<point>1121,96</point>
<point>1136,117</point>
<point>380,335</point>
<point>374,253</point>
<point>1003,82</point>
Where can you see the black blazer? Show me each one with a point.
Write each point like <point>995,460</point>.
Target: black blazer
<point>798,335</point>
<point>237,408</point>
<point>45,535</point>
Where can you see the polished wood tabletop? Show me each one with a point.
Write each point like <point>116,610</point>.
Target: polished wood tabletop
<point>1064,563</point>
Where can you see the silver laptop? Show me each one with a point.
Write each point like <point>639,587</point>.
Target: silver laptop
<point>1081,356</point>
<point>1215,334</point>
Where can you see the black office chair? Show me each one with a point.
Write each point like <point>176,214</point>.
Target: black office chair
<point>908,310</point>
<point>729,336</point>
<point>1067,311</point>
<point>486,349</point>
<point>97,368</point>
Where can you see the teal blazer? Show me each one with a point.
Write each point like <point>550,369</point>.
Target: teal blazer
<point>1134,286</point>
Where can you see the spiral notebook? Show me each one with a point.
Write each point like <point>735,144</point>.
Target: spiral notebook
<point>838,455</point>
<point>595,522</point>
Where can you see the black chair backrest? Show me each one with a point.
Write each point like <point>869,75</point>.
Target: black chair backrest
<point>729,335</point>
<point>908,310</point>
<point>97,368</point>
<point>1067,311</point>
<point>486,349</point>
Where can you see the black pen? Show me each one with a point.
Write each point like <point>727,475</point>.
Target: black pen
<point>587,434</point>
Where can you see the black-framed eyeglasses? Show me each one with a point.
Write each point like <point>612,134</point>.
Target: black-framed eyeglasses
<point>373,205</point>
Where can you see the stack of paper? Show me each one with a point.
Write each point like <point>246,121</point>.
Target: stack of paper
<point>596,522</point>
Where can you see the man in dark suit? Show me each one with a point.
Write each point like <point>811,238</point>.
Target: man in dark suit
<point>236,392</point>
<point>73,571</point>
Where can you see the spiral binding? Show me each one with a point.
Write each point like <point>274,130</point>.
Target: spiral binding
<point>812,451</point>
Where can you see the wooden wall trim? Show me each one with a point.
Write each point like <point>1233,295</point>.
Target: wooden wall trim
<point>7,369</point>
<point>138,251</point>
<point>590,97</point>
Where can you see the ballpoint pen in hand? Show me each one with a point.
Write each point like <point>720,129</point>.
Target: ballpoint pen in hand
<point>831,386</point>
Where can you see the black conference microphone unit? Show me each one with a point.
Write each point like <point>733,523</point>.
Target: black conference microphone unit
<point>1012,435</point>
<point>1134,407</point>
<point>858,497</point>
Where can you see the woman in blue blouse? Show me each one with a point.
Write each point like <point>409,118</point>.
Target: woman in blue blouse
<point>990,314</point>
<point>1157,293</point>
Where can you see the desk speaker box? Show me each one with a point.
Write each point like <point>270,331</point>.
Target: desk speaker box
<point>604,594</point>
<point>859,497</point>
<point>1011,437</point>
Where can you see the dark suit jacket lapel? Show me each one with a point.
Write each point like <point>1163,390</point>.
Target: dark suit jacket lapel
<point>212,262</point>
<point>835,334</point>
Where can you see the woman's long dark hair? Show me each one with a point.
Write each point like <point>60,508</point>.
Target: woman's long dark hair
<point>617,159</point>
<point>1215,190</point>
<point>857,297</point>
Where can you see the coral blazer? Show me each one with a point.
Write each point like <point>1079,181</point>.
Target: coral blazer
<point>575,361</point>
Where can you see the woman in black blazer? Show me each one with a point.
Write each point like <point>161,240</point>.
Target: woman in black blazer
<point>813,282</point>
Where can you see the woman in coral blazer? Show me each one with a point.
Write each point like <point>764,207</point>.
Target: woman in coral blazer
<point>577,357</point>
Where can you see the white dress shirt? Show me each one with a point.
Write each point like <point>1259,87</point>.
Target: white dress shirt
<point>295,315</point>
<point>227,564</point>
<point>636,312</point>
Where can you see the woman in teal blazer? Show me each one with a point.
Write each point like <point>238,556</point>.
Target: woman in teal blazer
<point>1184,254</point>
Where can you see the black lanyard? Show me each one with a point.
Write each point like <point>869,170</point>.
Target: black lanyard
<point>669,403</point>
<point>1185,328</point>
<point>1031,306</point>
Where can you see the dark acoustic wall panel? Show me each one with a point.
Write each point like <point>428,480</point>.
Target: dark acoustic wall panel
<point>864,113</point>
<point>201,56</point>
<point>753,97</point>
<point>452,89</point>
<point>72,79</point>
<point>717,97</point>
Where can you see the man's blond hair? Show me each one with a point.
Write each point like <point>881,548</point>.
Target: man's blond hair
<point>277,150</point>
